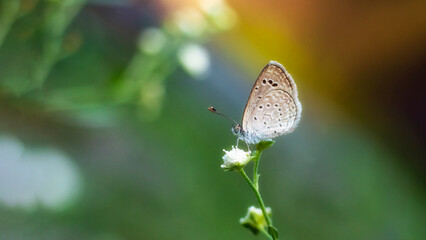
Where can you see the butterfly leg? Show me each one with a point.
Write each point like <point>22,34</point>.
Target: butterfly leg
<point>248,147</point>
<point>238,139</point>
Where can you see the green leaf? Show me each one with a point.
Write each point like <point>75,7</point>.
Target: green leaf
<point>273,231</point>
<point>264,145</point>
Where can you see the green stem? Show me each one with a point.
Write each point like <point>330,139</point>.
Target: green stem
<point>266,233</point>
<point>256,168</point>
<point>259,200</point>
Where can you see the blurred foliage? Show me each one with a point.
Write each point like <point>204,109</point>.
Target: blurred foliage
<point>50,40</point>
<point>105,92</point>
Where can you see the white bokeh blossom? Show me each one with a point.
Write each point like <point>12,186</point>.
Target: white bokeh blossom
<point>235,159</point>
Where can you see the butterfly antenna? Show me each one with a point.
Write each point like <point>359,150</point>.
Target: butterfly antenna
<point>213,110</point>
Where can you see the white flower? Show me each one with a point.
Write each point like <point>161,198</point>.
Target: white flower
<point>235,159</point>
<point>254,219</point>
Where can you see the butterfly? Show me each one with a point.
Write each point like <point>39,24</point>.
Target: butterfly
<point>272,109</point>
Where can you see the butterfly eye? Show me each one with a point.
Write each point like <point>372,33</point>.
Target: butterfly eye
<point>236,129</point>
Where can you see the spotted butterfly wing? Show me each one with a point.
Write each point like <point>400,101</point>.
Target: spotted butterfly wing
<point>273,108</point>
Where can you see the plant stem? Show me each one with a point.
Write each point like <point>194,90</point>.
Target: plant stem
<point>259,199</point>
<point>255,169</point>
<point>266,233</point>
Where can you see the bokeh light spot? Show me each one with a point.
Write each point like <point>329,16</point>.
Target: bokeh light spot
<point>29,178</point>
<point>195,59</point>
<point>152,40</point>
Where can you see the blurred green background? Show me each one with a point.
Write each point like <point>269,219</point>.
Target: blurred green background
<point>105,133</point>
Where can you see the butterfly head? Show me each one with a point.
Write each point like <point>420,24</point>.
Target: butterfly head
<point>237,130</point>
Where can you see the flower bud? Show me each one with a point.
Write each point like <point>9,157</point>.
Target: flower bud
<point>235,159</point>
<point>254,219</point>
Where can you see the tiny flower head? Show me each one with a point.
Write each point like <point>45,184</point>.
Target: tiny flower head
<point>235,159</point>
<point>254,219</point>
